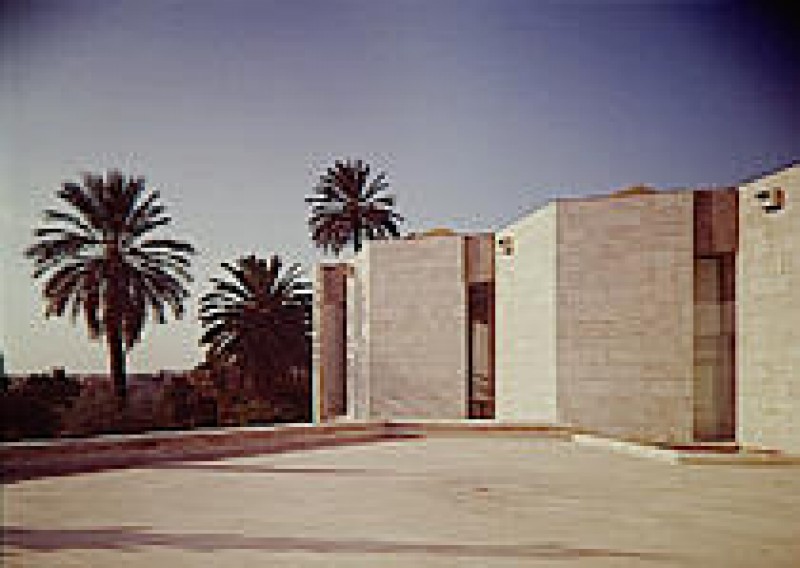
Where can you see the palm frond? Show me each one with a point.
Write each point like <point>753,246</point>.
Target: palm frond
<point>347,207</point>
<point>98,257</point>
<point>253,319</point>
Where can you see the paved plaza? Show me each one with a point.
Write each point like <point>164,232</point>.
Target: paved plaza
<point>475,501</point>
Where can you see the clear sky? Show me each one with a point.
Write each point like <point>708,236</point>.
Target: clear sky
<point>478,110</point>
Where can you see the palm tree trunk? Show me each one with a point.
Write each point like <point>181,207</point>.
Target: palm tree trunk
<point>113,322</point>
<point>117,357</point>
<point>357,237</point>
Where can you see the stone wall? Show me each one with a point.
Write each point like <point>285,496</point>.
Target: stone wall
<point>415,328</point>
<point>625,315</point>
<point>768,315</point>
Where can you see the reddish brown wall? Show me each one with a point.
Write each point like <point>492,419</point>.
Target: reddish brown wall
<point>715,243</point>
<point>479,250</point>
<point>328,351</point>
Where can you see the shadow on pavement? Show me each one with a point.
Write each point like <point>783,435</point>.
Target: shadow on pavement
<point>72,465</point>
<point>129,538</point>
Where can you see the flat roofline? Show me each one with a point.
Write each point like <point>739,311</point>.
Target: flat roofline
<point>611,196</point>
<point>669,190</point>
<point>432,233</point>
<point>422,236</point>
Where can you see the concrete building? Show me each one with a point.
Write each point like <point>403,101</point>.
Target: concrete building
<point>651,315</point>
<point>611,315</point>
<point>768,311</point>
<point>406,330</point>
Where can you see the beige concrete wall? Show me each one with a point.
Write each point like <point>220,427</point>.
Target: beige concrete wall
<point>525,315</point>
<point>625,315</point>
<point>316,349</point>
<point>358,348</point>
<point>415,328</point>
<point>768,316</point>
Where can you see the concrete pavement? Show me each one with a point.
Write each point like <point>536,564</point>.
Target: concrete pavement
<point>470,501</point>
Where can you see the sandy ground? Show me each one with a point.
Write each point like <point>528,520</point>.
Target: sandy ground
<point>436,502</point>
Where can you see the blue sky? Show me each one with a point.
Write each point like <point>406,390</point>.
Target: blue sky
<point>478,110</point>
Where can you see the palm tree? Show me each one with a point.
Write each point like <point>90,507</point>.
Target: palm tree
<point>98,256</point>
<point>256,320</point>
<point>348,207</point>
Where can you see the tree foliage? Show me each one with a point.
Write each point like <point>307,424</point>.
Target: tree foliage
<point>97,257</point>
<point>349,207</point>
<point>256,319</point>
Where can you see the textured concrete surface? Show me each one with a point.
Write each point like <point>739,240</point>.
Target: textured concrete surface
<point>405,330</point>
<point>768,312</point>
<point>595,316</point>
<point>625,315</point>
<point>526,350</point>
<point>414,323</point>
<point>436,502</point>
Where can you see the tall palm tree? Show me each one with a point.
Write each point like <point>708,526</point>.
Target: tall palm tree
<point>349,207</point>
<point>98,256</point>
<point>256,319</point>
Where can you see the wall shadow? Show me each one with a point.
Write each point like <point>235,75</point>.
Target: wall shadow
<point>57,466</point>
<point>130,538</point>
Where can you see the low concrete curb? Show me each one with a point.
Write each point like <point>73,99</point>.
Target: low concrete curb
<point>699,457</point>
<point>461,428</point>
